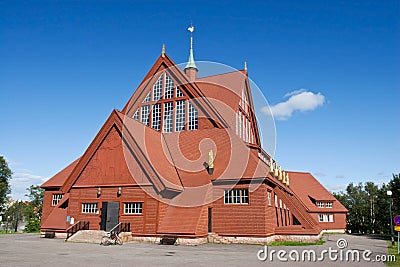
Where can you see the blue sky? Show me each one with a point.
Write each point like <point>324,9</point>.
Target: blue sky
<point>66,64</point>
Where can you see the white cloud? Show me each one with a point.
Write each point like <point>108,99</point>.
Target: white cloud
<point>299,100</point>
<point>295,92</point>
<point>22,179</point>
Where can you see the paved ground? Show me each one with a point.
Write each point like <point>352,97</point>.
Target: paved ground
<point>31,250</point>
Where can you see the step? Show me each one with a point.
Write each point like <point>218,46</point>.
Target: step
<point>87,236</point>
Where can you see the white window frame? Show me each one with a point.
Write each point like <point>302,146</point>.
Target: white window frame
<point>180,115</point>
<point>169,87</point>
<point>56,199</point>
<point>156,117</point>
<point>193,117</point>
<point>236,196</point>
<point>136,115</point>
<point>157,88</point>
<point>179,92</point>
<point>147,98</point>
<point>91,208</point>
<point>325,217</point>
<point>320,204</point>
<point>168,117</point>
<point>145,115</point>
<point>269,198</point>
<point>133,208</point>
<point>328,205</point>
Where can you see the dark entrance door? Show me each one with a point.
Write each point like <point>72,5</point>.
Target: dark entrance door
<point>109,215</point>
<point>210,220</point>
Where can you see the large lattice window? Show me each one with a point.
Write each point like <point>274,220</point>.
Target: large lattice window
<point>145,114</point>
<point>157,89</point>
<point>180,115</point>
<point>168,112</point>
<point>193,122</point>
<point>147,98</point>
<point>179,93</point>
<point>167,108</point>
<point>136,115</point>
<point>169,87</point>
<point>156,117</point>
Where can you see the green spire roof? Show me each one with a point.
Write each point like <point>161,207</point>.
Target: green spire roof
<point>191,64</point>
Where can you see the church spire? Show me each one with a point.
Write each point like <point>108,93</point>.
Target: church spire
<point>191,68</point>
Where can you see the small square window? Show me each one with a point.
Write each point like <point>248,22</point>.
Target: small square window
<point>56,199</point>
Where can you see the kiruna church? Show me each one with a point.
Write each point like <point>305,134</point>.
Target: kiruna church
<point>183,159</point>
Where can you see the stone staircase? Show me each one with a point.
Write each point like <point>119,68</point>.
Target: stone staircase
<point>94,236</point>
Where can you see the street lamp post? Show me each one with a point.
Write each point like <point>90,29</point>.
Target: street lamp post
<point>389,193</point>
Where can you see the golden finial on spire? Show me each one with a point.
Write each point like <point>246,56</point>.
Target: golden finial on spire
<point>163,50</point>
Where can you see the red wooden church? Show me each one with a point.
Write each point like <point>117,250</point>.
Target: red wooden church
<point>183,158</point>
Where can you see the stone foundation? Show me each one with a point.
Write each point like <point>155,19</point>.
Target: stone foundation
<point>53,235</point>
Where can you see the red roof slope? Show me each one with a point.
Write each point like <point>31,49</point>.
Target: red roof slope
<point>306,187</point>
<point>59,179</point>
<point>56,220</point>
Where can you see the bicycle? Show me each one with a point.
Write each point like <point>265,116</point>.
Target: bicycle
<point>111,239</point>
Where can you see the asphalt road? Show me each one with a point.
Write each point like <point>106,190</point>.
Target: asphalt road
<point>31,250</point>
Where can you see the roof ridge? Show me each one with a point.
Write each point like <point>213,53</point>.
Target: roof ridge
<point>220,74</point>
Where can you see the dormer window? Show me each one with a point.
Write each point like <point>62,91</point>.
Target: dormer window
<point>329,204</point>
<point>320,204</point>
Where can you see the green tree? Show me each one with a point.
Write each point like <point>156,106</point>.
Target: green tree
<point>5,189</point>
<point>33,211</point>
<point>372,191</point>
<point>15,214</point>
<point>358,206</point>
<point>394,186</point>
<point>382,211</point>
<point>368,206</point>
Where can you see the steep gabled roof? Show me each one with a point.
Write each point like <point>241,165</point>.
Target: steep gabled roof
<point>190,88</point>
<point>138,162</point>
<point>306,187</point>
<point>228,88</point>
<point>113,120</point>
<point>59,179</point>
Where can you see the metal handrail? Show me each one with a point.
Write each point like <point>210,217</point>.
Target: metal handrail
<point>80,225</point>
<point>121,227</point>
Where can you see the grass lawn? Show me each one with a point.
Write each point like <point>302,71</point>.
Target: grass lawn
<point>392,250</point>
<point>2,232</point>
<point>295,243</point>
